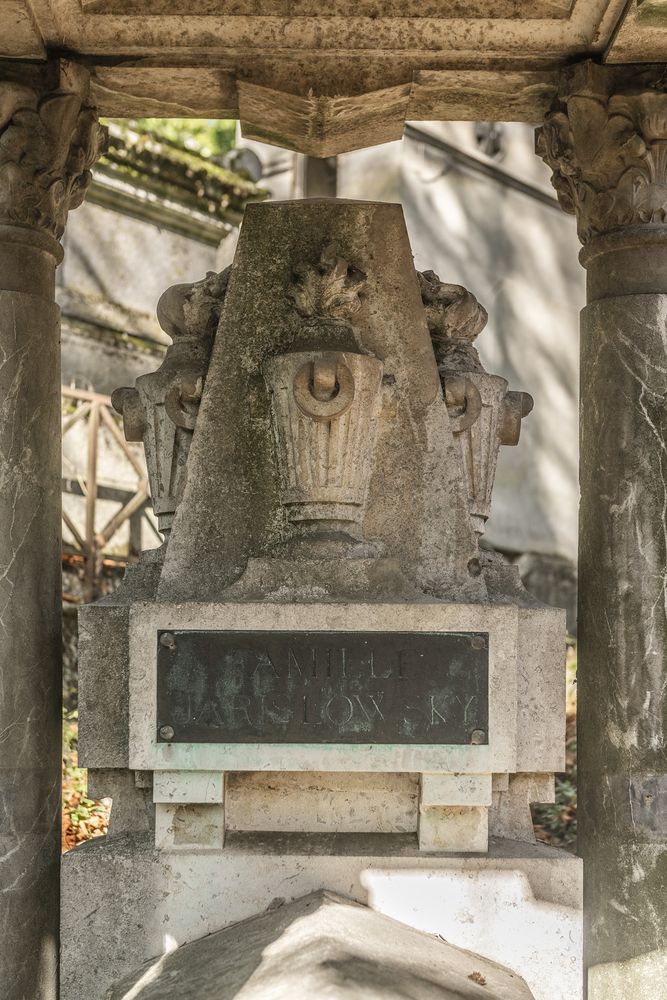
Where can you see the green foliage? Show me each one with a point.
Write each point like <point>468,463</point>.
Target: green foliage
<point>83,817</point>
<point>206,136</point>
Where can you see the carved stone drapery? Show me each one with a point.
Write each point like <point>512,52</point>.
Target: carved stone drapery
<point>606,142</point>
<point>324,403</point>
<point>48,143</point>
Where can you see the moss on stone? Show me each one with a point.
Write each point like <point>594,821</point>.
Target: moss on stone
<point>171,171</point>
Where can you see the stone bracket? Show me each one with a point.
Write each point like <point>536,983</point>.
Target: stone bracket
<point>454,812</point>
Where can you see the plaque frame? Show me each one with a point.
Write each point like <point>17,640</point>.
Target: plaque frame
<point>499,621</point>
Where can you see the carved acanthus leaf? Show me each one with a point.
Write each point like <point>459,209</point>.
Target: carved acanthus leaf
<point>329,289</point>
<point>48,143</point>
<point>608,154</point>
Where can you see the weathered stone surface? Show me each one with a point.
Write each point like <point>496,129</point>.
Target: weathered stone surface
<point>640,35</point>
<point>606,142</point>
<point>232,493</point>
<point>322,80</point>
<point>623,638</point>
<point>199,827</point>
<point>322,945</point>
<point>511,815</point>
<point>104,667</point>
<point>324,802</point>
<point>322,126</point>
<point>48,138</point>
<point>454,828</point>
<point>30,628</point>
<point>519,904</point>
<point>483,413</point>
<point>48,142</point>
<point>162,409</point>
<point>541,704</point>
<point>132,809</point>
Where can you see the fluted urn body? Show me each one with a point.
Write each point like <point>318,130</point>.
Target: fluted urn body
<point>324,406</point>
<point>477,403</point>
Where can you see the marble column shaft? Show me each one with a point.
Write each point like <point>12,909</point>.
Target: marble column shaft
<point>606,141</point>
<point>48,138</point>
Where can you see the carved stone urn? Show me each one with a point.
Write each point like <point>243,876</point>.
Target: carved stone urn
<point>324,406</point>
<point>483,416</point>
<point>483,413</point>
<point>161,410</point>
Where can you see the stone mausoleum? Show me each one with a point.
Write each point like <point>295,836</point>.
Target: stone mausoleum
<point>322,707</point>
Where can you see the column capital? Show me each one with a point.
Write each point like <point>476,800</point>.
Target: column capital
<point>50,137</point>
<point>605,139</point>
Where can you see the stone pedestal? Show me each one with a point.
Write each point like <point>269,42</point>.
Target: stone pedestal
<point>48,138</point>
<point>607,143</point>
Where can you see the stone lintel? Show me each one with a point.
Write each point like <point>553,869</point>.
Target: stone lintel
<point>335,114</point>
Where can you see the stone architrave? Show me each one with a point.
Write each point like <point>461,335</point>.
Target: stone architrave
<point>49,139</point>
<point>606,141</point>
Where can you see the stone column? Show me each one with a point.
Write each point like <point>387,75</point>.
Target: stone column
<point>606,141</point>
<point>49,137</point>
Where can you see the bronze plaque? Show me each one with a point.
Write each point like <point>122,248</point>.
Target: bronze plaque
<point>322,687</point>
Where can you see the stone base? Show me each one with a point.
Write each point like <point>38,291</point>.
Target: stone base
<point>520,905</point>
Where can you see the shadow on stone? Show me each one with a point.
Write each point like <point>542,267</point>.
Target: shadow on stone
<point>321,945</point>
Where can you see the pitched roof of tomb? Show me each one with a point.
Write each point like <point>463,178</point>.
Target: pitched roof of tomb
<point>321,945</point>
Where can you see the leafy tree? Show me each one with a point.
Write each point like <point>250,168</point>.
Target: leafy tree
<point>206,136</point>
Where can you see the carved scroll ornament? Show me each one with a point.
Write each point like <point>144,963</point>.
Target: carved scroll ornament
<point>483,413</point>
<point>162,409</point>
<point>608,152</point>
<point>48,143</point>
